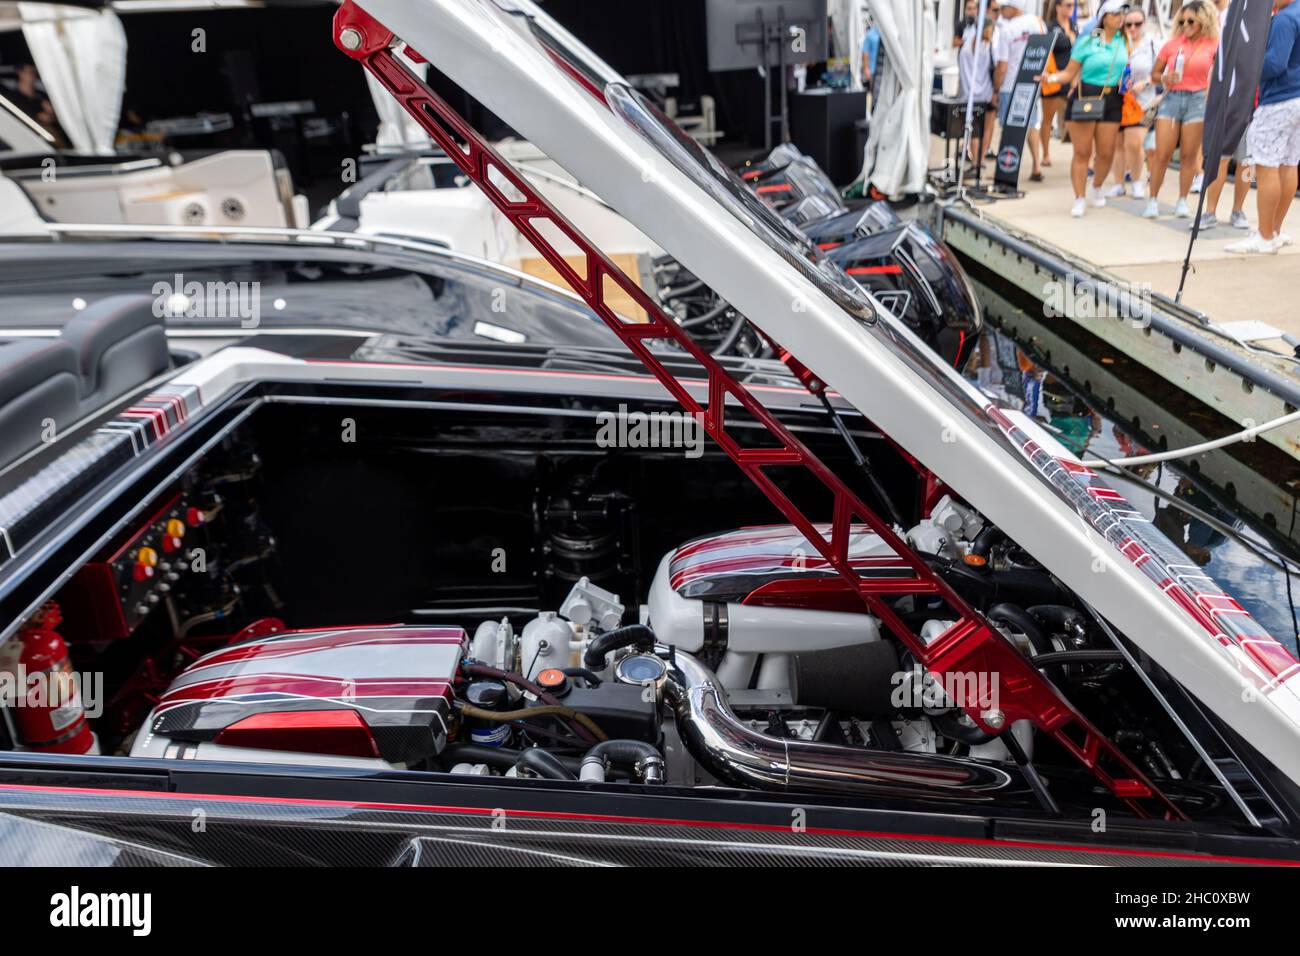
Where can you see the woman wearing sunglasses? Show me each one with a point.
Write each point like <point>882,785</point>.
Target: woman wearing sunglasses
<point>1183,66</point>
<point>1136,137</point>
<point>1094,109</point>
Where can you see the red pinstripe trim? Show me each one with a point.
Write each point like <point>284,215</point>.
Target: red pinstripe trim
<point>890,269</point>
<point>284,644</point>
<point>176,402</point>
<point>662,821</point>
<point>306,685</point>
<point>155,416</point>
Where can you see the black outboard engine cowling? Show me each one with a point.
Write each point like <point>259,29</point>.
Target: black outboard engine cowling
<point>918,280</point>
<point>902,264</point>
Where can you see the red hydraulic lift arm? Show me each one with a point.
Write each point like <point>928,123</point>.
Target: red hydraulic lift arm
<point>969,646</point>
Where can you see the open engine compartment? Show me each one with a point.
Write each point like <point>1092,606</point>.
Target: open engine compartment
<point>380,586</point>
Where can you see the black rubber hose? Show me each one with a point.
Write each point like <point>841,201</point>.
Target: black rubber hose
<point>591,677</point>
<point>950,726</point>
<point>1104,655</point>
<point>681,291</point>
<point>1019,618</point>
<point>704,318</point>
<point>1024,586</point>
<point>500,758</point>
<point>1058,618</point>
<point>537,761</point>
<point>643,759</point>
<point>637,635</point>
<point>985,540</point>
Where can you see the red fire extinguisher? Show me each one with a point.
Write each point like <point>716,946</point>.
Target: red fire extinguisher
<point>53,720</point>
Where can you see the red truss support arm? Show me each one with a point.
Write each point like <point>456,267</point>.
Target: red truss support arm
<point>970,647</point>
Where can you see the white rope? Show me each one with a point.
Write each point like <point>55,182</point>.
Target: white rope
<point>1243,435</point>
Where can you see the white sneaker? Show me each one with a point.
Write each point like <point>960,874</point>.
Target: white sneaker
<point>1139,190</point>
<point>1253,244</point>
<point>1283,239</point>
<point>1115,191</point>
<point>1239,220</point>
<point>1180,210</point>
<point>1152,210</point>
<point>1095,198</point>
<point>1079,208</point>
<point>1198,182</point>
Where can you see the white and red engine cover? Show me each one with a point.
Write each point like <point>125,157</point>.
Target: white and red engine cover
<point>758,589</point>
<point>377,694</point>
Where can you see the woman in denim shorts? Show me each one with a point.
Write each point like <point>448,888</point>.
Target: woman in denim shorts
<point>1180,118</point>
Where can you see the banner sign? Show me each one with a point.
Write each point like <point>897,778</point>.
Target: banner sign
<point>1023,97</point>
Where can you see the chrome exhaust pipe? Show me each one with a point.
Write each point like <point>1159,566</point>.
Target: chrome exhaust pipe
<point>738,755</point>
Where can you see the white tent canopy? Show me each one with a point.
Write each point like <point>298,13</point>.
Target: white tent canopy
<point>80,55</point>
<point>898,145</point>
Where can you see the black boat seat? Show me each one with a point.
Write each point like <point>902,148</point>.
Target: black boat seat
<point>119,344</point>
<point>40,394</point>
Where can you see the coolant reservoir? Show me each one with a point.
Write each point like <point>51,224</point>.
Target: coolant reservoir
<point>544,643</point>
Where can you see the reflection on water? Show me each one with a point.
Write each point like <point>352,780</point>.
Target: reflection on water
<point>1006,374</point>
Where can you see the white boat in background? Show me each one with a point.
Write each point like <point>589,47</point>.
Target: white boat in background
<point>421,195</point>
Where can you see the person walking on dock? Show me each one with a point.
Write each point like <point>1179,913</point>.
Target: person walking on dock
<point>1096,106</point>
<point>1009,42</point>
<point>975,72</point>
<point>1273,140</point>
<point>1183,66</point>
<point>1140,100</point>
<point>1060,20</point>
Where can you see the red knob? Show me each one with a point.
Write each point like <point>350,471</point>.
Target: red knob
<point>142,572</point>
<point>194,517</point>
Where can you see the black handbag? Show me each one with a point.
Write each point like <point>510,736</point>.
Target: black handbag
<point>1088,109</point>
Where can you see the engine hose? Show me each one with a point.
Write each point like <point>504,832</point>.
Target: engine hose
<point>590,676</point>
<point>544,764</point>
<point>1104,655</point>
<point>644,760</point>
<point>1024,586</point>
<point>1019,618</point>
<point>483,670</point>
<point>682,290</point>
<point>950,726</point>
<point>501,758</point>
<point>706,317</point>
<point>524,713</point>
<point>733,334</point>
<point>627,636</point>
<point>985,540</point>
<point>1057,617</point>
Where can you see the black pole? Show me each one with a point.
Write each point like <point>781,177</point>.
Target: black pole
<point>1196,230</point>
<point>1207,180</point>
